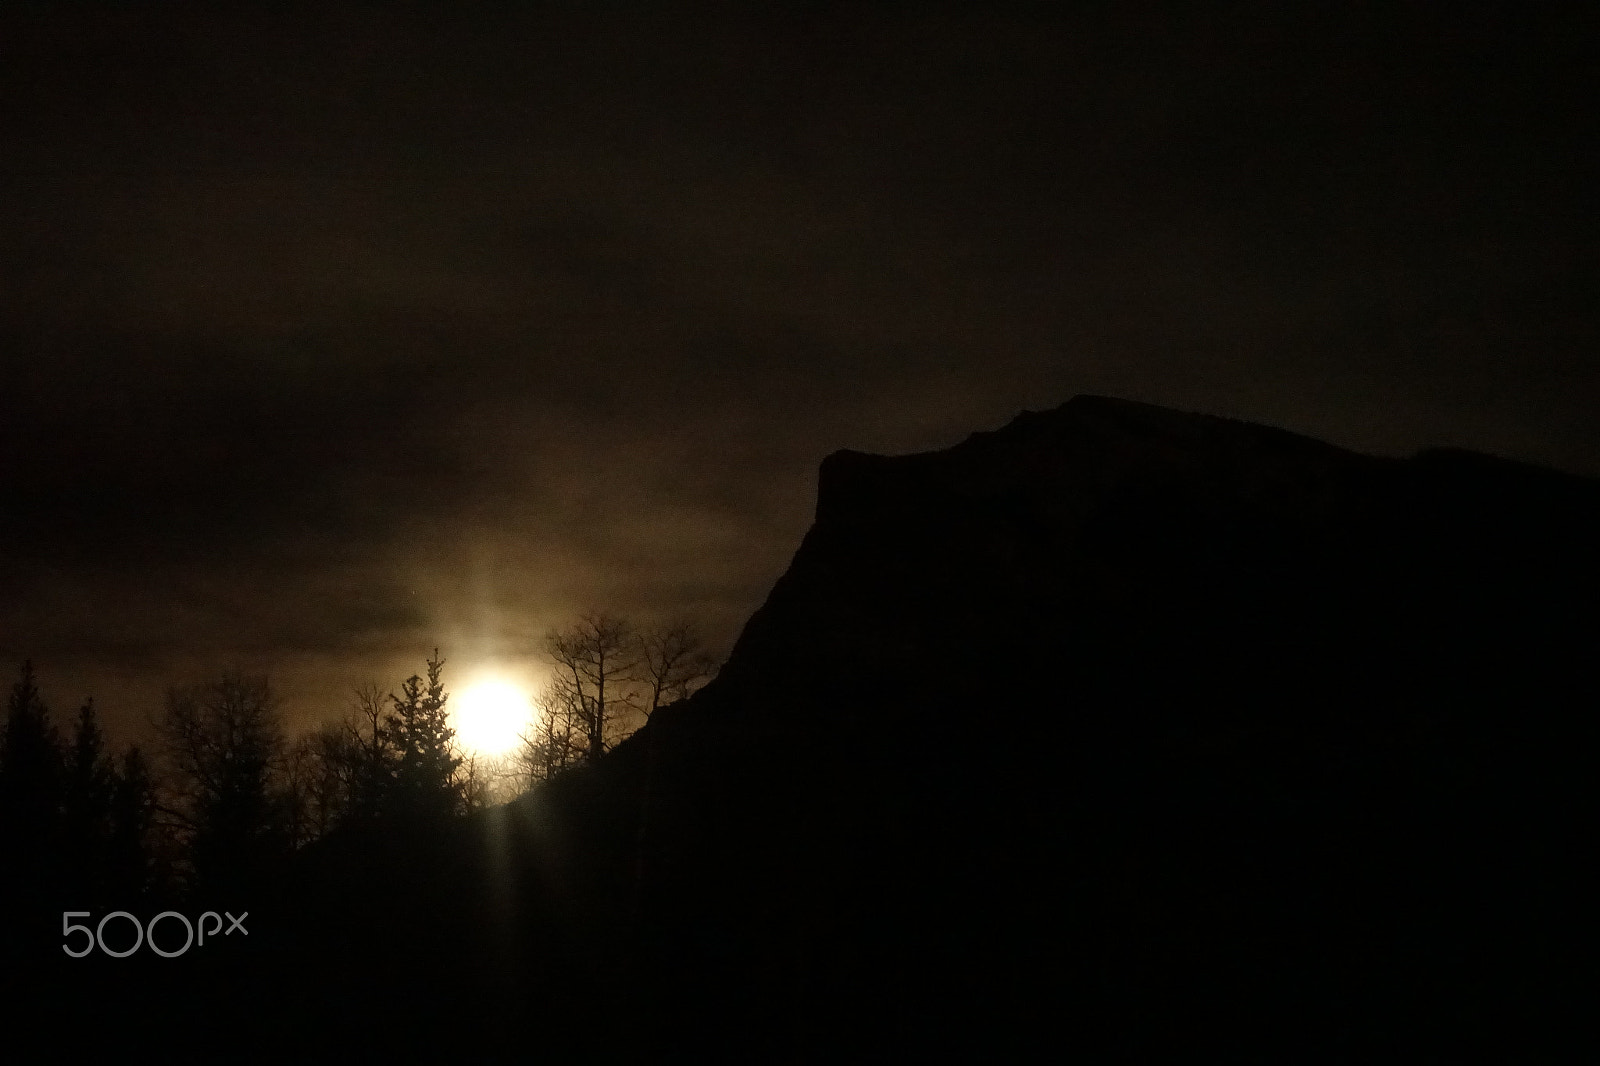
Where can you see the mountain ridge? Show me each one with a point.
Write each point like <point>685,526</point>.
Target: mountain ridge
<point>1051,470</point>
<point>1110,623</point>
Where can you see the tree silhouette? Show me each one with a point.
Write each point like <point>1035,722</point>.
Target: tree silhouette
<point>594,685</point>
<point>672,664</point>
<point>30,749</point>
<point>31,771</point>
<point>609,678</point>
<point>225,746</point>
<point>425,784</point>
<point>30,801</point>
<point>132,810</point>
<point>370,755</point>
<point>553,742</point>
<point>89,780</point>
<point>322,765</point>
<point>478,775</point>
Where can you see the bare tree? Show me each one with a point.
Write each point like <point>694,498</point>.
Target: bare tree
<point>371,756</point>
<point>225,747</point>
<point>477,781</point>
<point>552,742</point>
<point>594,681</point>
<point>609,679</point>
<point>488,779</point>
<point>322,766</point>
<point>672,664</point>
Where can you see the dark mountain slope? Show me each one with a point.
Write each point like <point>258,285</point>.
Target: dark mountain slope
<point>1124,728</point>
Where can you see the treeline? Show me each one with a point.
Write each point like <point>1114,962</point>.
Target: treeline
<point>226,795</point>
<point>73,817</point>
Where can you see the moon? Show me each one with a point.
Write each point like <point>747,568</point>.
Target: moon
<point>491,716</point>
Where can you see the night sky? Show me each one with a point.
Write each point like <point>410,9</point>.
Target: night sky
<point>331,333</point>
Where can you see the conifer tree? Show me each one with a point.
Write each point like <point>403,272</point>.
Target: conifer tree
<point>30,767</point>
<point>86,808</point>
<point>132,822</point>
<point>426,785</point>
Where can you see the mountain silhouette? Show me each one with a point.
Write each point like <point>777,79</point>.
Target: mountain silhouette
<point>1132,731</point>
<point>1116,733</point>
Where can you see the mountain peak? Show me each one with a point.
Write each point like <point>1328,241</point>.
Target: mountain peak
<point>1088,441</point>
<point>1181,699</point>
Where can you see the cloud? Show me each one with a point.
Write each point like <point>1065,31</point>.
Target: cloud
<point>327,330</point>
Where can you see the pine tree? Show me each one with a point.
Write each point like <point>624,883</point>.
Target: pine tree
<point>30,804</point>
<point>426,785</point>
<point>132,822</point>
<point>30,766</point>
<point>86,808</point>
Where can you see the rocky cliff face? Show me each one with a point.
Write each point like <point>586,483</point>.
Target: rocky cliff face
<point>1131,553</point>
<point>1147,722</point>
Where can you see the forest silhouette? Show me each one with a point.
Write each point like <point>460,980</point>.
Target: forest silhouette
<point>1118,733</point>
